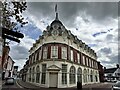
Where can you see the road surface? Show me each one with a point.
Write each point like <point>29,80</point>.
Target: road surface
<point>16,86</point>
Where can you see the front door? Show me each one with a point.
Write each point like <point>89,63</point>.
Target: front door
<point>53,79</point>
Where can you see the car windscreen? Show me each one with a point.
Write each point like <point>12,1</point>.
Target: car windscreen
<point>117,84</point>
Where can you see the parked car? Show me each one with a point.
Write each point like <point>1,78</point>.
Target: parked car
<point>9,80</point>
<point>116,86</point>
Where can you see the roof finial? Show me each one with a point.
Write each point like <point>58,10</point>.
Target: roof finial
<point>56,18</point>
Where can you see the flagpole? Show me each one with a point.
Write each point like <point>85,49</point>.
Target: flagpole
<point>56,12</point>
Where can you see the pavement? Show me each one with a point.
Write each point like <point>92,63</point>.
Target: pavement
<point>27,85</point>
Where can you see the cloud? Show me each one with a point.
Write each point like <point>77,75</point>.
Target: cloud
<point>99,11</point>
<point>92,45</point>
<point>19,51</point>
<point>106,50</point>
<point>19,63</point>
<point>109,37</point>
<point>102,10</point>
<point>32,31</point>
<point>94,23</point>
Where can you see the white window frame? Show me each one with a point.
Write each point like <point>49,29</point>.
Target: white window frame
<point>54,51</point>
<point>32,58</point>
<point>45,53</point>
<point>40,54</point>
<point>43,76</point>
<point>71,55</point>
<point>90,62</point>
<point>87,60</point>
<point>72,75</point>
<point>83,60</point>
<point>78,56</point>
<point>35,56</point>
<point>64,52</point>
<point>64,74</point>
<point>96,65</point>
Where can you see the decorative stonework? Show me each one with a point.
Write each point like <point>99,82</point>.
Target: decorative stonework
<point>54,68</point>
<point>57,29</point>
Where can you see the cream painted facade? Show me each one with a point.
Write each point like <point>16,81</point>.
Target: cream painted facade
<point>59,74</point>
<point>76,62</point>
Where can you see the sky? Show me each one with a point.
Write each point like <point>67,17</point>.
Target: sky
<point>95,23</point>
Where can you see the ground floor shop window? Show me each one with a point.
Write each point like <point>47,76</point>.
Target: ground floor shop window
<point>64,78</point>
<point>79,75</point>
<point>96,78</point>
<point>91,76</point>
<point>37,74</point>
<point>43,77</point>
<point>64,74</point>
<point>91,79</point>
<point>72,75</point>
<point>33,74</point>
<point>30,75</point>
<point>85,76</point>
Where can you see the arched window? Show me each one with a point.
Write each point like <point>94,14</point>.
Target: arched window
<point>85,76</point>
<point>30,74</point>
<point>72,75</point>
<point>33,72</point>
<point>37,74</point>
<point>79,75</point>
<point>91,76</point>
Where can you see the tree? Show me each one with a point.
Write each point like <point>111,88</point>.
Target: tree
<point>11,17</point>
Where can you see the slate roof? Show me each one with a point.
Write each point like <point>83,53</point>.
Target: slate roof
<point>110,70</point>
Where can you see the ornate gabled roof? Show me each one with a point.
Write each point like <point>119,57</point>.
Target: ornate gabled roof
<point>56,29</point>
<point>56,21</point>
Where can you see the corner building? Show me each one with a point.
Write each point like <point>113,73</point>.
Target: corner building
<point>59,59</point>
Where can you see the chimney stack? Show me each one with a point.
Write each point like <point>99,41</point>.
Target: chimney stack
<point>104,68</point>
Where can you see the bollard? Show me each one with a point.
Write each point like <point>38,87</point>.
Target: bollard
<point>79,86</point>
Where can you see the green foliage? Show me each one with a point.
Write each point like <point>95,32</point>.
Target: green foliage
<point>12,14</point>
